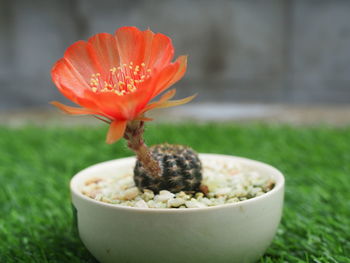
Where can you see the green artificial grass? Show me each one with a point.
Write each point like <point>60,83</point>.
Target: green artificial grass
<point>36,165</point>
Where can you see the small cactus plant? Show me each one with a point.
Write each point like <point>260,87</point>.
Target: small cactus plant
<point>181,170</point>
<point>114,78</point>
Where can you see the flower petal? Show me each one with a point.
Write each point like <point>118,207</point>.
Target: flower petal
<point>131,45</point>
<point>68,80</point>
<point>116,131</point>
<point>125,107</point>
<point>71,84</point>
<point>165,97</point>
<point>81,55</point>
<point>159,50</point>
<point>109,105</point>
<point>182,60</point>
<point>168,95</point>
<point>171,74</point>
<point>143,118</point>
<point>155,50</point>
<point>106,49</point>
<point>73,110</point>
<point>167,104</point>
<point>172,103</point>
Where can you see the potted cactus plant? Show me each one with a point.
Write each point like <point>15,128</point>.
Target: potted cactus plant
<point>169,203</point>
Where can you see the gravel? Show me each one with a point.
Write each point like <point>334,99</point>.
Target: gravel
<point>227,182</point>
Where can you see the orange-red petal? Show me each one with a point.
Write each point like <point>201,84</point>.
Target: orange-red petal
<point>71,84</point>
<point>82,56</point>
<point>142,118</point>
<point>168,103</point>
<point>125,107</point>
<point>182,60</point>
<point>116,131</point>
<point>134,45</point>
<point>168,95</point>
<point>106,50</point>
<point>171,74</point>
<point>165,97</point>
<point>172,103</point>
<point>131,44</point>
<point>159,50</point>
<point>73,110</point>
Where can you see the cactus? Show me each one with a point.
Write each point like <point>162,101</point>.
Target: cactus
<point>181,170</point>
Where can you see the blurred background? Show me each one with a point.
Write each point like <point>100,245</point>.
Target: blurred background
<point>284,60</point>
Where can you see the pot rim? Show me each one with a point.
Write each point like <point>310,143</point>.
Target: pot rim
<point>279,185</point>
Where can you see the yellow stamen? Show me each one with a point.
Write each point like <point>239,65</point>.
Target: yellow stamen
<point>120,80</point>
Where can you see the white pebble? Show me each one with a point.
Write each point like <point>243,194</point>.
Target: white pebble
<point>207,201</point>
<point>233,200</point>
<point>255,190</point>
<point>164,196</point>
<point>194,204</point>
<point>223,191</point>
<point>131,193</point>
<point>141,204</point>
<point>147,195</point>
<point>151,204</point>
<point>176,202</point>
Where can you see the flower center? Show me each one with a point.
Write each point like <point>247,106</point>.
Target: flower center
<point>120,80</point>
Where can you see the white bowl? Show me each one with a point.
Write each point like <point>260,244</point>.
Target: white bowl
<point>237,232</point>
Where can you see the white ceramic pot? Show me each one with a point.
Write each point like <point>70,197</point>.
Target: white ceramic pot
<point>238,232</point>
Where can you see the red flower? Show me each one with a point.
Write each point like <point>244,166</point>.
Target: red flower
<point>114,77</point>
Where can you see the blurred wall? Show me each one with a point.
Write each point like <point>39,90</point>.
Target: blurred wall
<point>271,51</point>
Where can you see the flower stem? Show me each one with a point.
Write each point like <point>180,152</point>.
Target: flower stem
<point>134,136</point>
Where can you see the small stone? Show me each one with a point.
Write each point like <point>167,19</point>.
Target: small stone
<point>207,201</point>
<point>93,181</point>
<point>164,196</point>
<point>92,194</point>
<point>161,205</point>
<point>181,194</point>
<point>148,195</point>
<point>184,196</point>
<point>141,204</point>
<point>270,184</point>
<point>151,204</point>
<point>105,199</point>
<point>194,204</point>
<point>116,202</point>
<point>233,200</point>
<point>223,191</point>
<point>198,195</point>
<point>131,193</point>
<point>98,197</point>
<point>255,190</point>
<point>176,202</point>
